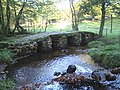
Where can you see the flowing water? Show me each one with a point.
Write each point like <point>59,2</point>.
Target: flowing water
<point>40,68</point>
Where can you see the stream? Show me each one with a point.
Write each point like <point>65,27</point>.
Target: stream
<point>41,67</point>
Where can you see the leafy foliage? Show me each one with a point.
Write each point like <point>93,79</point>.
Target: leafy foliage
<point>107,55</point>
<point>6,56</point>
<point>112,59</point>
<point>7,84</point>
<point>96,54</point>
<point>95,44</point>
<point>109,41</point>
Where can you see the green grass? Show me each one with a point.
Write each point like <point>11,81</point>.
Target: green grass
<point>7,84</point>
<point>6,56</point>
<point>90,26</point>
<point>107,55</point>
<point>94,27</point>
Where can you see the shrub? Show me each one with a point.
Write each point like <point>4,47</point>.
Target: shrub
<point>112,59</point>
<point>115,47</point>
<point>6,56</point>
<point>2,37</point>
<point>95,44</point>
<point>7,84</point>
<point>109,41</point>
<point>108,55</point>
<point>96,54</point>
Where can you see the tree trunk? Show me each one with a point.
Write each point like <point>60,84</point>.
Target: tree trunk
<point>111,23</point>
<point>74,17</point>
<point>46,24</point>
<point>102,18</point>
<point>73,24</point>
<point>8,17</point>
<point>2,19</point>
<point>18,17</point>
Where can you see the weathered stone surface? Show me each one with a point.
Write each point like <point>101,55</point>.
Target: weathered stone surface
<point>71,69</point>
<point>57,73</point>
<point>74,39</point>
<point>87,37</point>
<point>103,75</point>
<point>2,72</point>
<point>44,45</point>
<point>115,71</point>
<point>23,49</point>
<point>45,42</point>
<point>59,41</point>
<point>110,77</point>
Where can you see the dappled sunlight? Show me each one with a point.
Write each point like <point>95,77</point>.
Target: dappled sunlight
<point>62,24</point>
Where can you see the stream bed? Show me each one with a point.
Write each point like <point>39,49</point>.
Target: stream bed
<point>41,67</point>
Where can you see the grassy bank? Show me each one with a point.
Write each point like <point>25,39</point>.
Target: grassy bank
<point>6,56</point>
<point>106,52</point>
<point>7,84</point>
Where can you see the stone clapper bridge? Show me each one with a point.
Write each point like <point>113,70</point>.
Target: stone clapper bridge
<point>46,42</point>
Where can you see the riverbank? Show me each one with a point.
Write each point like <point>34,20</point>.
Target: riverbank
<point>106,51</point>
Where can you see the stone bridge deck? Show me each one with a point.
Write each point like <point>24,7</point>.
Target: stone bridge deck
<point>45,42</point>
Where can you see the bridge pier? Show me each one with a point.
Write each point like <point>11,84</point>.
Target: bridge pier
<point>88,37</point>
<point>59,41</point>
<point>44,45</point>
<point>74,39</point>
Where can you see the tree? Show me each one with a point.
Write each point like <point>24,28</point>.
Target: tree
<point>105,4</point>
<point>2,19</point>
<point>102,18</point>
<point>8,17</point>
<point>74,16</point>
<point>47,11</point>
<point>18,17</point>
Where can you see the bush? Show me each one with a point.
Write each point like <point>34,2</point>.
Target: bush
<point>96,54</point>
<point>112,59</point>
<point>95,44</point>
<point>7,84</point>
<point>6,56</point>
<point>108,55</point>
<point>109,41</point>
<point>2,37</point>
<point>115,47</point>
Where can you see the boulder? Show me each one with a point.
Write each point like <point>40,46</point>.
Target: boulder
<point>115,71</point>
<point>71,69</point>
<point>110,77</point>
<point>63,73</point>
<point>57,73</point>
<point>102,75</point>
<point>69,79</point>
